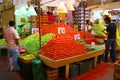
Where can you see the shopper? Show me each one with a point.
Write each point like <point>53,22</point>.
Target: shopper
<point>111,40</point>
<point>12,40</point>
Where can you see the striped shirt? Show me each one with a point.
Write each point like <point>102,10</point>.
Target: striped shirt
<point>11,35</point>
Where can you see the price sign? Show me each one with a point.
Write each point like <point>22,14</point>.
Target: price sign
<point>61,30</point>
<point>25,30</point>
<point>35,30</point>
<point>77,36</point>
<point>21,48</point>
<point>62,16</point>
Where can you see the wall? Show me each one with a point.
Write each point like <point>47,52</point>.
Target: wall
<point>7,15</point>
<point>6,12</point>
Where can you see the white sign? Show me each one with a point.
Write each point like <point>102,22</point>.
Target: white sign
<point>16,2</point>
<point>25,30</point>
<point>61,30</point>
<point>19,2</point>
<point>77,36</point>
<point>21,48</point>
<point>35,30</point>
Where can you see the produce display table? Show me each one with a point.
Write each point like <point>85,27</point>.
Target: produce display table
<point>65,62</point>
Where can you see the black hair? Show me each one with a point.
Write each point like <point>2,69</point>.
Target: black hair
<point>107,19</point>
<point>11,23</point>
<point>87,21</point>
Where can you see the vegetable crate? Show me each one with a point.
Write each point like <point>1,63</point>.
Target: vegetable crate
<point>52,74</point>
<point>117,70</point>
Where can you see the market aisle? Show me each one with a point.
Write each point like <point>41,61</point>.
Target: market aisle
<point>103,71</point>
<point>5,74</point>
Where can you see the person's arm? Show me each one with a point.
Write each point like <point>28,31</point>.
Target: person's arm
<point>17,41</point>
<point>16,37</point>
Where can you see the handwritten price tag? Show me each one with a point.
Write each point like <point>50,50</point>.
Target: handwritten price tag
<point>35,30</point>
<point>77,36</point>
<point>21,48</point>
<point>61,30</point>
<point>25,30</point>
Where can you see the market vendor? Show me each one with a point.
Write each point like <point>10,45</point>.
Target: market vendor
<point>88,27</point>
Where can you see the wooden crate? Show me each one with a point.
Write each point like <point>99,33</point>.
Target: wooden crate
<point>117,70</point>
<point>52,74</point>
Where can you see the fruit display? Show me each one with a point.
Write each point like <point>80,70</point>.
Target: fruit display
<point>87,37</point>
<point>93,47</point>
<point>98,28</point>
<point>58,28</point>
<point>117,37</point>
<point>89,47</point>
<point>27,57</point>
<point>32,42</point>
<point>2,42</point>
<point>62,46</point>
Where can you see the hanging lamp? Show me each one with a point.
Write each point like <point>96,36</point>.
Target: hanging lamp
<point>61,8</point>
<point>70,7</point>
<point>20,10</point>
<point>31,11</point>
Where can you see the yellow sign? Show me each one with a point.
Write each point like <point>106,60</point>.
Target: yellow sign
<point>62,16</point>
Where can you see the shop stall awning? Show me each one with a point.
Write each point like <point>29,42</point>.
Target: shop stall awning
<point>107,6</point>
<point>55,3</point>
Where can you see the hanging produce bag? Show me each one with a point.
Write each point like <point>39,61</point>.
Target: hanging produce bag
<point>38,70</point>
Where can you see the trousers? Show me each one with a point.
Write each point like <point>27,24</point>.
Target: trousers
<point>12,59</point>
<point>110,43</point>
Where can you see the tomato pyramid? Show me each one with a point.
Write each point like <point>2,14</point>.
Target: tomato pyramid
<point>63,44</point>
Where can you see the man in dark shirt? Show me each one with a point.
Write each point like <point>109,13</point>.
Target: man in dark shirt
<point>111,40</point>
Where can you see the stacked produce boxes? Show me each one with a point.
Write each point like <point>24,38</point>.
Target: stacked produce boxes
<point>117,70</point>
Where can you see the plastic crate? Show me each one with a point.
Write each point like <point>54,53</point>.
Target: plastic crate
<point>25,70</point>
<point>52,74</point>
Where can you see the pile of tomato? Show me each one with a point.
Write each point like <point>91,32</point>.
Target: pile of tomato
<point>62,46</point>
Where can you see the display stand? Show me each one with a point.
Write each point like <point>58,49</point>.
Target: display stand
<point>65,62</point>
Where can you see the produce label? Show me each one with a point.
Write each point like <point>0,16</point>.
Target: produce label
<point>25,30</point>
<point>61,30</point>
<point>77,36</point>
<point>35,30</point>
